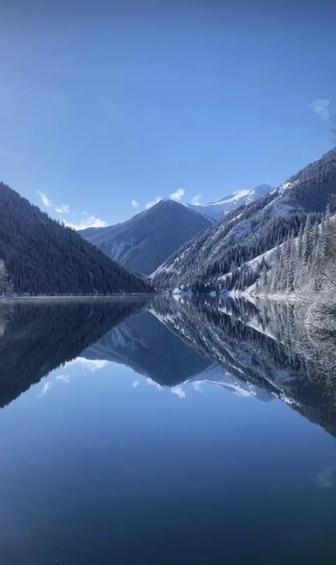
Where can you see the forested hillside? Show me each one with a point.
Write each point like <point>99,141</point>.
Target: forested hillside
<point>221,257</point>
<point>303,266</point>
<point>40,256</point>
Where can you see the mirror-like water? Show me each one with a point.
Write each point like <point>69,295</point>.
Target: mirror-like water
<point>165,433</point>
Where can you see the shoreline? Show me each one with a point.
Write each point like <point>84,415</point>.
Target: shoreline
<point>79,298</point>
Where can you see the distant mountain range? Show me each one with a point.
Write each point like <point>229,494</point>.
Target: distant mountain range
<point>145,241</point>
<point>216,210</point>
<point>40,256</point>
<point>261,351</point>
<point>251,230</point>
<point>148,239</point>
<point>181,247</point>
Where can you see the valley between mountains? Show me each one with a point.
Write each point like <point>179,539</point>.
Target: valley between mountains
<point>278,242</point>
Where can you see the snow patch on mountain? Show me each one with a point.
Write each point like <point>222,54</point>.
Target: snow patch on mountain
<point>218,209</point>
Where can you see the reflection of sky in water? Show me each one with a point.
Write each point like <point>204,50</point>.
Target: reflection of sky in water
<point>81,366</point>
<point>99,463</point>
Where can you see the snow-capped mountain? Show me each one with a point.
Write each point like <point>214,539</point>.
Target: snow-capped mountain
<point>249,232</point>
<point>217,210</point>
<point>149,238</point>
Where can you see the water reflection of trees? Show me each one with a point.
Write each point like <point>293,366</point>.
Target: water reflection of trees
<point>265,343</point>
<point>37,338</point>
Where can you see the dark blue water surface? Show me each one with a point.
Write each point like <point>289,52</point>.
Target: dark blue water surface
<point>165,433</point>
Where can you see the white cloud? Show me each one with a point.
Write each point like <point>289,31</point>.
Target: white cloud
<point>88,222</point>
<point>321,108</point>
<point>135,204</point>
<point>63,209</point>
<point>85,220</point>
<point>178,194</point>
<point>135,383</point>
<point>44,198</point>
<point>196,199</point>
<point>153,202</point>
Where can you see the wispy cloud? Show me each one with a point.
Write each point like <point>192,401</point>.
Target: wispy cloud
<point>196,199</point>
<point>135,204</point>
<point>84,221</point>
<point>90,221</point>
<point>46,201</point>
<point>321,108</point>
<point>44,198</point>
<point>153,202</point>
<point>63,209</point>
<point>178,194</point>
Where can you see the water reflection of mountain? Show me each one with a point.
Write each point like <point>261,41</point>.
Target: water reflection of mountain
<point>267,345</point>
<point>261,350</point>
<point>150,344</point>
<point>146,345</point>
<point>36,338</point>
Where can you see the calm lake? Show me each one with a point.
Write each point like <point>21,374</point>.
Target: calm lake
<point>164,432</point>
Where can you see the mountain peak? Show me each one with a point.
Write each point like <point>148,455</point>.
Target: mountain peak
<point>218,209</point>
<point>145,241</point>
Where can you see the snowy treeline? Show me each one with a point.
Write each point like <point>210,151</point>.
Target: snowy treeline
<point>305,263</point>
<point>234,253</point>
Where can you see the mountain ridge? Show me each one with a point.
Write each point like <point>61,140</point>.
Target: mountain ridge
<point>145,241</point>
<point>217,209</point>
<point>249,231</point>
<point>39,256</point>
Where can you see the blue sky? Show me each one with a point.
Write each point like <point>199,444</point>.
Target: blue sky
<point>107,103</point>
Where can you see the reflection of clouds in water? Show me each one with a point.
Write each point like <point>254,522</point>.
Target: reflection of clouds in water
<point>178,391</point>
<point>63,378</point>
<point>197,386</point>
<point>92,365</point>
<point>326,477</point>
<point>45,389</point>
<point>153,384</point>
